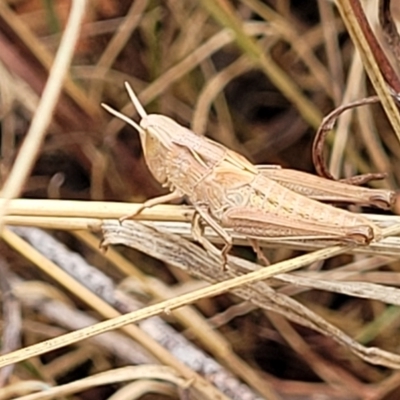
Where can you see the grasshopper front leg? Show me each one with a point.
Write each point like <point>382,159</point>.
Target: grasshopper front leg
<point>175,195</point>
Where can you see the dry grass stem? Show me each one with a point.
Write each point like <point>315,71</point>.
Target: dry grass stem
<point>35,136</point>
<point>257,78</point>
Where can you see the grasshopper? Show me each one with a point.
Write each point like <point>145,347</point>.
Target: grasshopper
<point>228,191</point>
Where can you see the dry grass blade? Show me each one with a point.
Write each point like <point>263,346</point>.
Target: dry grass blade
<point>252,79</point>
<point>152,333</point>
<point>358,28</point>
<point>75,215</point>
<point>148,372</point>
<point>168,305</point>
<point>375,356</point>
<point>224,14</point>
<point>34,139</point>
<point>180,254</point>
<point>105,309</point>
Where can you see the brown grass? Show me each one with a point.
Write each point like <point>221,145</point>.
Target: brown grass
<point>258,78</point>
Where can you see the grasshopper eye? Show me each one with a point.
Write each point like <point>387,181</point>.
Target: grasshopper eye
<point>236,198</point>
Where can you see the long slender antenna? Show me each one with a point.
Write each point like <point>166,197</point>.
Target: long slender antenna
<point>140,109</point>
<point>123,117</point>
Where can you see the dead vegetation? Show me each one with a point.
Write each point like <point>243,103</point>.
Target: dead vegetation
<point>256,76</point>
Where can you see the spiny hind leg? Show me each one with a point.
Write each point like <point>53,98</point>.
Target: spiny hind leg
<point>153,202</point>
<point>199,218</point>
<point>251,222</point>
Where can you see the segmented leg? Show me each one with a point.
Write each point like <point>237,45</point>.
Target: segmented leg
<point>258,250</point>
<point>153,202</point>
<point>198,236</point>
<point>254,224</point>
<point>321,189</point>
<point>197,231</point>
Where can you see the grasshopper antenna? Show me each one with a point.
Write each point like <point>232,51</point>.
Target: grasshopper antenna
<point>135,101</point>
<point>123,117</point>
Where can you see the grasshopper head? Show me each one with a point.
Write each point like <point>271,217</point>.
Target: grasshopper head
<point>153,129</point>
<point>161,128</point>
<point>153,132</point>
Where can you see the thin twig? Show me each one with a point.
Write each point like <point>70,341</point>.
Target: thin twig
<point>319,141</point>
